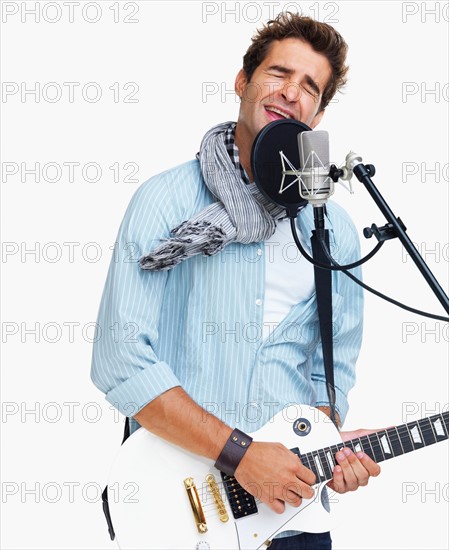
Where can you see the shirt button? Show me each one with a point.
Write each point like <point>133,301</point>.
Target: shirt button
<point>259,252</point>
<point>258,302</point>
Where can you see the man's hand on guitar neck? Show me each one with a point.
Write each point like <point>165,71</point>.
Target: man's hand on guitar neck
<point>354,469</point>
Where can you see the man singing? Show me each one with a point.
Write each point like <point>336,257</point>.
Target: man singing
<point>208,261</point>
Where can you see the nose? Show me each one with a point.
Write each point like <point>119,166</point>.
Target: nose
<point>291,91</point>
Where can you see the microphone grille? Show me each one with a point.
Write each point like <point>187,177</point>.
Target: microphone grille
<point>313,144</point>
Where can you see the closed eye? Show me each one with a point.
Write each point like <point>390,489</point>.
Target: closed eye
<point>311,87</point>
<point>310,90</point>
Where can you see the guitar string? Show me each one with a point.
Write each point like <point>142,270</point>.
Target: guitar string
<point>377,446</point>
<point>211,507</point>
<point>322,453</point>
<point>373,443</point>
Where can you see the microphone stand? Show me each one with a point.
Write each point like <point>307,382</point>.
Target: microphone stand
<point>395,227</point>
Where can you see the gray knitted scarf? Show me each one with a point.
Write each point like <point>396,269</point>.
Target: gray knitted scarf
<point>241,214</point>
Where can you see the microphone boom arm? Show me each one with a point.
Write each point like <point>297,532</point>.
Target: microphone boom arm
<point>363,173</point>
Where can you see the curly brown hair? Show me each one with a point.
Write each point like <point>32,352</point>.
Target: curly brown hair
<point>322,37</point>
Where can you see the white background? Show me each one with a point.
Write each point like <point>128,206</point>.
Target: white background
<point>171,52</point>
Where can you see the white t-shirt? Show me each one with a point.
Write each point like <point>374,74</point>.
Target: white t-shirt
<point>289,277</point>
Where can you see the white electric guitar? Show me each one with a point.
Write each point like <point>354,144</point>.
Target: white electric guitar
<point>178,500</point>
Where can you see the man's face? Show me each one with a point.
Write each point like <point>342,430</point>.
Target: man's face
<point>289,83</point>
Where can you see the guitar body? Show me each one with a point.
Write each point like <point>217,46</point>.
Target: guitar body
<point>160,514</point>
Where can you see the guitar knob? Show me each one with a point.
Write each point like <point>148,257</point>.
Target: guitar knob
<point>202,545</point>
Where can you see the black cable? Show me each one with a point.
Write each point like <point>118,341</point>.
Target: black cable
<point>335,267</point>
<point>353,277</point>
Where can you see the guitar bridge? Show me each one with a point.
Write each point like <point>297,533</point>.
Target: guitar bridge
<point>215,491</point>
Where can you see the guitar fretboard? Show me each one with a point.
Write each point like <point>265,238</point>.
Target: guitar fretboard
<point>382,445</point>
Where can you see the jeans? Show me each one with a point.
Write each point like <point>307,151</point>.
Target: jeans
<point>305,541</point>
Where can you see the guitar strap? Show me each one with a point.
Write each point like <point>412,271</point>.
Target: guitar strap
<point>323,284</point>
<point>104,494</point>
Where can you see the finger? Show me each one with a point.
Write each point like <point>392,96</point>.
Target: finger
<point>338,483</point>
<point>292,498</point>
<point>276,505</point>
<point>350,478</point>
<point>305,474</point>
<point>303,489</point>
<point>372,467</point>
<point>361,473</point>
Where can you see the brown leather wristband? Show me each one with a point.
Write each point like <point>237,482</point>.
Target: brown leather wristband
<point>233,451</point>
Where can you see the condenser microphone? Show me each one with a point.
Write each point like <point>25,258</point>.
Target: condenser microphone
<point>316,184</point>
<point>290,165</point>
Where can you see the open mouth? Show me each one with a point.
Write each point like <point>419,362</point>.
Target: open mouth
<point>274,113</point>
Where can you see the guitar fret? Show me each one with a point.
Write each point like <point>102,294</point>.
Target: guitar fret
<point>415,435</point>
<point>325,465</point>
<point>334,450</point>
<point>418,425</point>
<point>438,426</point>
<point>377,447</point>
<point>382,445</point>
<point>310,463</point>
<point>319,468</point>
<point>427,431</point>
<point>366,446</point>
<point>359,447</point>
<point>434,429</point>
<point>387,445</point>
<point>330,458</point>
<point>306,461</point>
<point>406,438</point>
<point>313,467</point>
<point>445,418</point>
<point>395,440</point>
<point>383,448</point>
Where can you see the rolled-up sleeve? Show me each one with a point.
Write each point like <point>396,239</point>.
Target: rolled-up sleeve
<point>125,365</point>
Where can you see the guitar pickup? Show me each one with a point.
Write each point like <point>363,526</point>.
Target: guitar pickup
<point>242,503</point>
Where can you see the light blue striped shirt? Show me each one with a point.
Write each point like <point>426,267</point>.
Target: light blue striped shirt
<point>200,324</point>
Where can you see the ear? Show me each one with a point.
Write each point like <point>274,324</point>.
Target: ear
<point>240,83</point>
<point>317,119</point>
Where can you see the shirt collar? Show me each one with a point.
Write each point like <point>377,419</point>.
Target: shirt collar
<point>233,151</point>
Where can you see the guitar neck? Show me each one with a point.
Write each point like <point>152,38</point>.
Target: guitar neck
<point>382,445</point>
